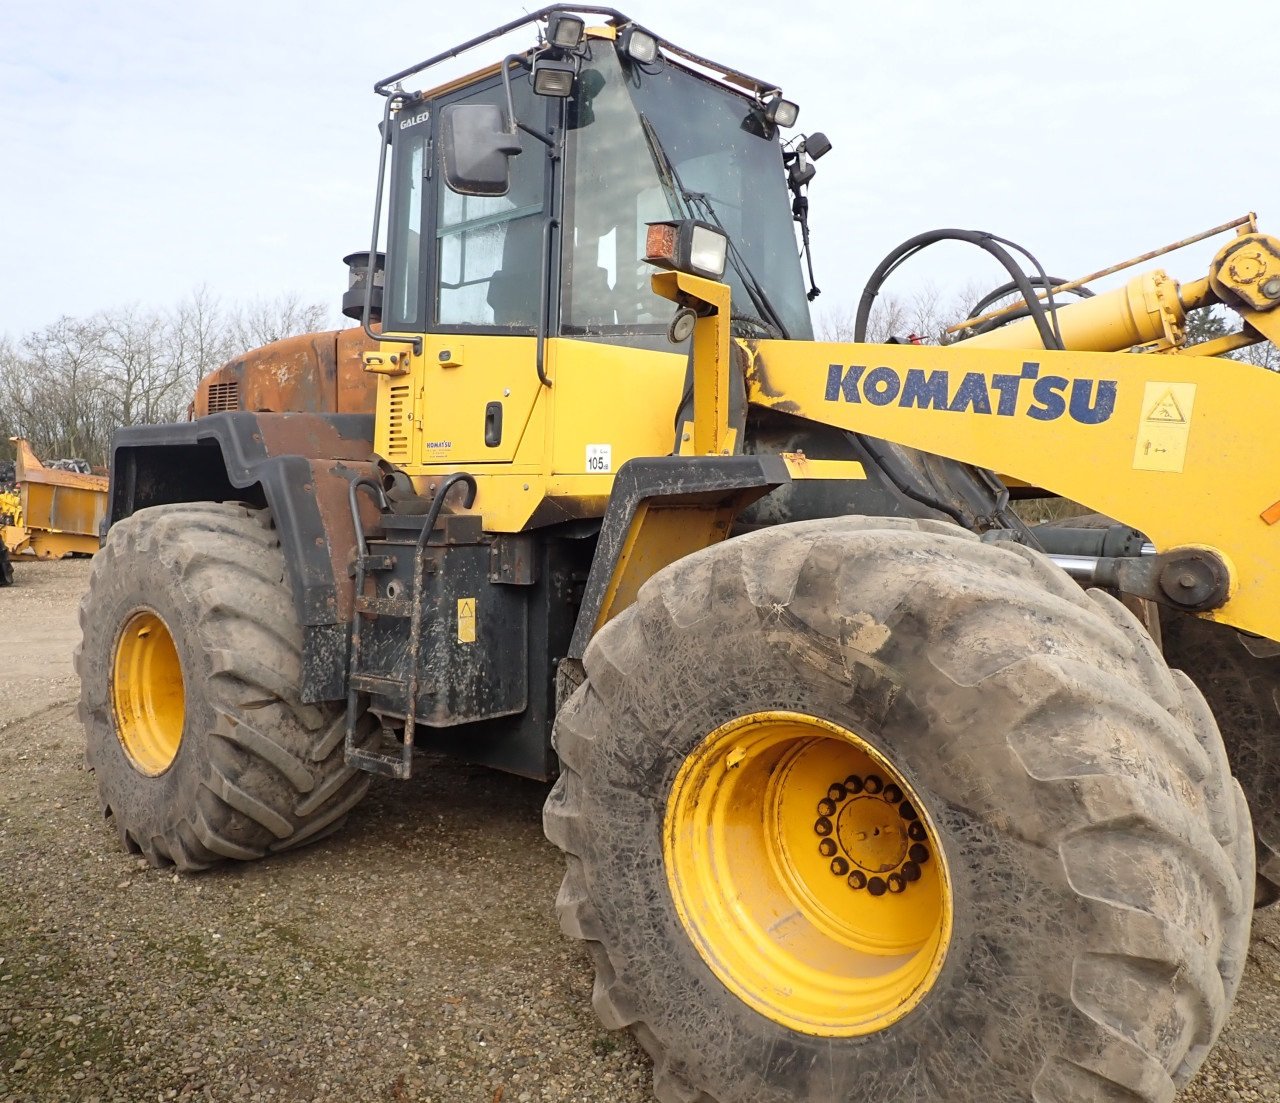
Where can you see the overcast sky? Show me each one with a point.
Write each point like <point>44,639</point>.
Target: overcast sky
<point>147,148</point>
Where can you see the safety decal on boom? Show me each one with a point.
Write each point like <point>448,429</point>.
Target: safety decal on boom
<point>1164,427</point>
<point>1048,397</point>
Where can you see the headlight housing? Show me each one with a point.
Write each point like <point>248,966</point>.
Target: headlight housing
<point>687,245</point>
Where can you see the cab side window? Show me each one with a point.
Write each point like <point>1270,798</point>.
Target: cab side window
<point>489,249</point>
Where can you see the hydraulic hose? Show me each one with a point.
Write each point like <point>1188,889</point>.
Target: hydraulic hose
<point>988,242</point>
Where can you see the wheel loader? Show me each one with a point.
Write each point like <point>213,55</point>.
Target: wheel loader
<point>862,794</point>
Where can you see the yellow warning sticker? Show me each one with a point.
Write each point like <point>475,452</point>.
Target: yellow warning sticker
<point>466,620</point>
<point>1164,427</point>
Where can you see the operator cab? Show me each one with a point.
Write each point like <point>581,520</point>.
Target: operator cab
<point>592,135</point>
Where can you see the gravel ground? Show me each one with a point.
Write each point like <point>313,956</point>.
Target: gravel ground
<point>415,957</point>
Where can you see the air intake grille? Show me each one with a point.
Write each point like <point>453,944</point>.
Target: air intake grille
<point>224,397</point>
<point>397,431</point>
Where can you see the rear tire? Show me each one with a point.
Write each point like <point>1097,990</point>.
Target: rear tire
<point>246,769</point>
<point>1239,676</point>
<point>1100,870</point>
<point>6,566</point>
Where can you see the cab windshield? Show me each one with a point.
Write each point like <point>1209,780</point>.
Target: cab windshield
<point>654,142</point>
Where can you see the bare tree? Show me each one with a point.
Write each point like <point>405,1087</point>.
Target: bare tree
<point>262,321</point>
<point>922,316</point>
<point>200,335</point>
<point>68,386</point>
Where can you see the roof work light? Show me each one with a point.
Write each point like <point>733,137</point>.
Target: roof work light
<point>638,45</point>
<point>781,112</point>
<point>553,78</point>
<point>565,30</point>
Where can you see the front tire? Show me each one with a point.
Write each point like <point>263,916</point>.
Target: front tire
<point>189,669</point>
<point>1091,847</point>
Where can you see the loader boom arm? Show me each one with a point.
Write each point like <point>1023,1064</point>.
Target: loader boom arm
<point>1181,448</point>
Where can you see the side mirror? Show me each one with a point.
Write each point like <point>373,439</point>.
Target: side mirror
<point>817,145</point>
<point>476,148</point>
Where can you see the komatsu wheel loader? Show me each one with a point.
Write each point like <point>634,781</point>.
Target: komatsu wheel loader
<point>862,795</point>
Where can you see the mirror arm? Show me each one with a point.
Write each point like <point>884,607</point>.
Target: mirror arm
<point>506,87</point>
<point>545,139</point>
<point>512,124</point>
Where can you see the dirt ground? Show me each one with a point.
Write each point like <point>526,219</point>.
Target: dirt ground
<point>415,957</point>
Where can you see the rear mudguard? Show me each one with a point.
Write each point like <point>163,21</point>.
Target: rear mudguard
<point>300,466</point>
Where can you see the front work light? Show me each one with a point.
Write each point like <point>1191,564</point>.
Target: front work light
<point>638,45</point>
<point>687,246</point>
<point>553,78</point>
<point>781,112</point>
<point>565,30</point>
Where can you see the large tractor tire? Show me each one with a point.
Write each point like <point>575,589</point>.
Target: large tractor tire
<point>6,566</point>
<point>1239,675</point>
<point>865,809</point>
<point>189,671</point>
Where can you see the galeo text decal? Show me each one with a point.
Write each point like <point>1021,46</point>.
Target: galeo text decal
<point>1088,401</point>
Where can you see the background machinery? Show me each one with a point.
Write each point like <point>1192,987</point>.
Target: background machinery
<point>49,512</point>
<point>862,796</point>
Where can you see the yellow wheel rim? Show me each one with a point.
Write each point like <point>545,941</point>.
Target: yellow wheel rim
<point>147,693</point>
<point>808,874</point>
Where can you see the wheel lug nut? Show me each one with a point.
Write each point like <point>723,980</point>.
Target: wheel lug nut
<point>827,848</point>
<point>857,879</point>
<point>919,853</point>
<point>839,867</point>
<point>916,832</point>
<point>826,807</point>
<point>853,783</point>
<point>873,784</point>
<point>876,886</point>
<point>837,792</point>
<point>892,793</point>
<point>911,871</point>
<point>896,882</point>
<point>907,810</point>
<point>823,826</point>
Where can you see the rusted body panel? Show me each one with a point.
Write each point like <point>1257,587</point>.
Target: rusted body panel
<point>61,511</point>
<point>311,373</point>
<point>301,467</point>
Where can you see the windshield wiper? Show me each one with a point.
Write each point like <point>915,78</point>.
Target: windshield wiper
<point>699,202</point>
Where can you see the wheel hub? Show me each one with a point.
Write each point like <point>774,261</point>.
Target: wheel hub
<point>147,693</point>
<point>871,835</point>
<point>819,934</point>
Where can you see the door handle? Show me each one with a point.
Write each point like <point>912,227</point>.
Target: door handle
<point>493,424</point>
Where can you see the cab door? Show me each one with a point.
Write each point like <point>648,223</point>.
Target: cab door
<point>485,279</point>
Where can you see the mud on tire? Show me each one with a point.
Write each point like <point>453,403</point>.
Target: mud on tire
<point>1099,848</point>
<point>257,771</point>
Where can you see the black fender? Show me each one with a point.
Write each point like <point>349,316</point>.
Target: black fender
<point>300,466</point>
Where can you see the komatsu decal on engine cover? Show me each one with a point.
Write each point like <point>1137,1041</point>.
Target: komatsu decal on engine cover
<point>1088,401</point>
